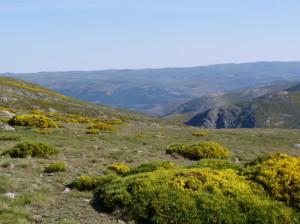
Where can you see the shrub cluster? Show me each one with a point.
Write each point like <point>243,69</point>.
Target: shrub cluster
<point>119,168</point>
<point>33,120</point>
<point>199,150</point>
<point>280,175</point>
<point>200,134</point>
<point>191,196</point>
<point>86,183</point>
<point>55,167</point>
<point>34,149</point>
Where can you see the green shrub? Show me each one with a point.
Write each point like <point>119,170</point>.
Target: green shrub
<point>55,167</point>
<point>102,126</point>
<point>199,134</point>
<point>86,183</point>
<point>191,196</point>
<point>11,138</point>
<point>199,150</point>
<point>33,120</point>
<point>34,149</point>
<point>92,131</point>
<point>119,168</point>
<point>175,148</point>
<point>280,176</point>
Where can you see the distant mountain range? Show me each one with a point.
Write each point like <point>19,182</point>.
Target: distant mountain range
<point>279,109</point>
<point>160,91</point>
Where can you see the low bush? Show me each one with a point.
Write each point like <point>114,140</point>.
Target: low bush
<point>33,120</point>
<point>102,126</point>
<point>191,196</point>
<point>175,148</point>
<point>86,183</point>
<point>36,111</point>
<point>280,176</point>
<point>199,150</point>
<point>34,149</point>
<point>55,167</point>
<point>119,168</point>
<point>199,134</point>
<point>139,135</point>
<point>7,109</point>
<point>93,131</point>
<point>11,138</point>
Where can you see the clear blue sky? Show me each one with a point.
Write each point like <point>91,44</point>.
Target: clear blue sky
<point>61,35</point>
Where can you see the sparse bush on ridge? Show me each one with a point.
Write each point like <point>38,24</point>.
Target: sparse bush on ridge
<point>33,121</point>
<point>34,149</point>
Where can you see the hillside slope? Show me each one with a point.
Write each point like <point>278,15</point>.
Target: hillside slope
<point>159,91</point>
<point>16,93</point>
<point>275,110</point>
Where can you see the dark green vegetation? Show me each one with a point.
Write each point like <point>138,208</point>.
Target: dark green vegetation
<point>156,185</point>
<point>159,91</point>
<point>275,110</point>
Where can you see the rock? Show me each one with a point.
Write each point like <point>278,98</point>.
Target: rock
<point>121,221</point>
<point>158,136</point>
<point>6,113</point>
<point>296,145</point>
<point>52,110</point>
<point>87,200</point>
<point>51,174</point>
<point>66,190</point>
<point>10,195</point>
<point>8,128</point>
<point>49,180</point>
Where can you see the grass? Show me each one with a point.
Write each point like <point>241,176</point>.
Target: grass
<point>40,198</point>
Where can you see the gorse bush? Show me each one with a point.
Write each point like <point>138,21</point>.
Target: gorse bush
<point>33,120</point>
<point>191,196</point>
<point>199,150</point>
<point>7,109</point>
<point>11,138</point>
<point>199,134</point>
<point>102,126</point>
<point>55,167</point>
<point>86,183</point>
<point>36,111</point>
<point>280,176</point>
<point>92,131</point>
<point>119,168</point>
<point>34,149</point>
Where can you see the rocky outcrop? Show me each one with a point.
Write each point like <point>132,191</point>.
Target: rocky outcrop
<point>233,116</point>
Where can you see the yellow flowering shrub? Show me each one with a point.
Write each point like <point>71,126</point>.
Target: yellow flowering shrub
<point>189,196</point>
<point>199,134</point>
<point>280,175</point>
<point>92,131</point>
<point>33,120</point>
<point>85,183</point>
<point>55,167</point>
<point>199,150</point>
<point>7,109</point>
<point>139,135</point>
<point>102,126</point>
<point>119,168</point>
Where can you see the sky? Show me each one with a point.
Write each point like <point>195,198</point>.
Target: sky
<point>64,35</point>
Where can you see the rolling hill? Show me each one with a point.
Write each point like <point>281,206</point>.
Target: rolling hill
<point>159,91</point>
<point>275,110</point>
